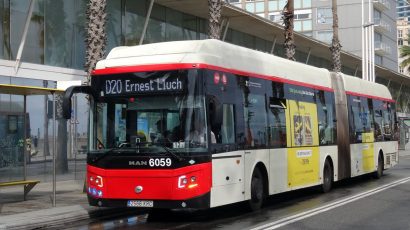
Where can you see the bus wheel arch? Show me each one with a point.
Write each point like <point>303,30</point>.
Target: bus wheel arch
<point>259,187</point>
<point>380,165</point>
<point>328,175</point>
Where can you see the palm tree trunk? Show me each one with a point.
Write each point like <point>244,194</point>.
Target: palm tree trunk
<point>289,44</point>
<point>336,47</point>
<point>61,158</point>
<point>214,26</point>
<point>96,38</point>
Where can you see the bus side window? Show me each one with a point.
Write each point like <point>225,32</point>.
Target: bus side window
<point>326,118</point>
<point>222,123</point>
<point>387,122</point>
<point>277,122</point>
<point>255,120</point>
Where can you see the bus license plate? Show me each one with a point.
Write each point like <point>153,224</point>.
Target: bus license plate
<point>140,203</point>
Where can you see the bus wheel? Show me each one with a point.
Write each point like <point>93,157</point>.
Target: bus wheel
<point>327,177</point>
<point>257,190</point>
<point>380,165</point>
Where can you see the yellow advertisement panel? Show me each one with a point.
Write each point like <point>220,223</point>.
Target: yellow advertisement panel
<point>368,157</point>
<point>368,137</point>
<point>303,166</point>
<point>303,123</point>
<point>368,152</point>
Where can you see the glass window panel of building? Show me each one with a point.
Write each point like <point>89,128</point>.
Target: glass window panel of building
<point>134,18</point>
<point>300,4</point>
<point>33,51</point>
<point>55,35</point>
<point>324,16</point>
<point>325,36</point>
<point>250,6</point>
<point>273,5</point>
<point>156,31</point>
<point>114,24</point>
<point>5,50</point>
<point>259,7</point>
<point>64,41</point>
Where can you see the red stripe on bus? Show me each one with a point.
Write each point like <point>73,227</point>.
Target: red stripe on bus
<point>143,68</point>
<point>157,184</point>
<point>369,96</point>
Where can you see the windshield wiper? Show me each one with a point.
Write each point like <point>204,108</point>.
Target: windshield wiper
<point>171,153</point>
<point>108,152</point>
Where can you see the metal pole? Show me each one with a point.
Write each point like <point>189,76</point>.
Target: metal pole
<point>363,48</point>
<point>226,29</point>
<point>372,53</point>
<point>371,46</point>
<point>75,136</point>
<point>308,56</point>
<point>23,37</point>
<point>366,53</point>
<point>399,94</point>
<point>273,44</point>
<point>356,70</point>
<point>144,31</point>
<point>25,138</point>
<point>54,149</point>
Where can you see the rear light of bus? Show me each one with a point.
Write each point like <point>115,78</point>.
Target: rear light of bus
<point>187,181</point>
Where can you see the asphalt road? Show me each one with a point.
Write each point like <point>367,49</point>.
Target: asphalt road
<point>359,203</point>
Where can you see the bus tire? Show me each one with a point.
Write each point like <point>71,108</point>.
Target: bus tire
<point>327,177</point>
<point>257,190</point>
<point>380,167</point>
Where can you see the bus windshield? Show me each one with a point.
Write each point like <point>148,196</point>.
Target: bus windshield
<point>174,121</point>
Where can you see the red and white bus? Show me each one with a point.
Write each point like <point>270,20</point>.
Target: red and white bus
<point>200,124</point>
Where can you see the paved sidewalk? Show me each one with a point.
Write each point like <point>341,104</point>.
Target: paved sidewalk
<point>37,211</point>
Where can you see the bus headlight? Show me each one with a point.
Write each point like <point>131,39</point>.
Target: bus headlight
<point>184,182</point>
<point>96,181</point>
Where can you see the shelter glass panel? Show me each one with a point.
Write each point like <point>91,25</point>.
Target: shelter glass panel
<point>11,137</point>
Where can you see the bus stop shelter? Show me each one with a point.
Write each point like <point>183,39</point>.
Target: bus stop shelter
<point>26,91</point>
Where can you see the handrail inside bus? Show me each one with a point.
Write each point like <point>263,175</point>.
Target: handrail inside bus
<point>69,93</point>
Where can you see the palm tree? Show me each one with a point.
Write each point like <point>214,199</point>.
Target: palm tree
<point>336,47</point>
<point>289,44</point>
<point>405,53</point>
<point>214,26</point>
<point>96,37</point>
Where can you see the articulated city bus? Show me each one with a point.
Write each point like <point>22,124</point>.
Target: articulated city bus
<point>201,124</point>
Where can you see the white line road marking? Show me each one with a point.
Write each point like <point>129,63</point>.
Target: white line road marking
<point>291,219</point>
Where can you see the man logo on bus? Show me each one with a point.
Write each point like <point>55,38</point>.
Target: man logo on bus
<point>138,163</point>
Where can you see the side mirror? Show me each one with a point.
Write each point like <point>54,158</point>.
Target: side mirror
<point>69,93</point>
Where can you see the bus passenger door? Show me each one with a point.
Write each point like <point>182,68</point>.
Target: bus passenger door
<point>227,160</point>
<point>278,113</point>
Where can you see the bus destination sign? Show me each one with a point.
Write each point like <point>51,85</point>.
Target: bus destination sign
<point>116,87</point>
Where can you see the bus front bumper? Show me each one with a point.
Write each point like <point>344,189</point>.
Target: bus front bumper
<point>200,202</point>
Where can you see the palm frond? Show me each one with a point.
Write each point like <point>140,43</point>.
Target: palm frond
<point>404,51</point>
